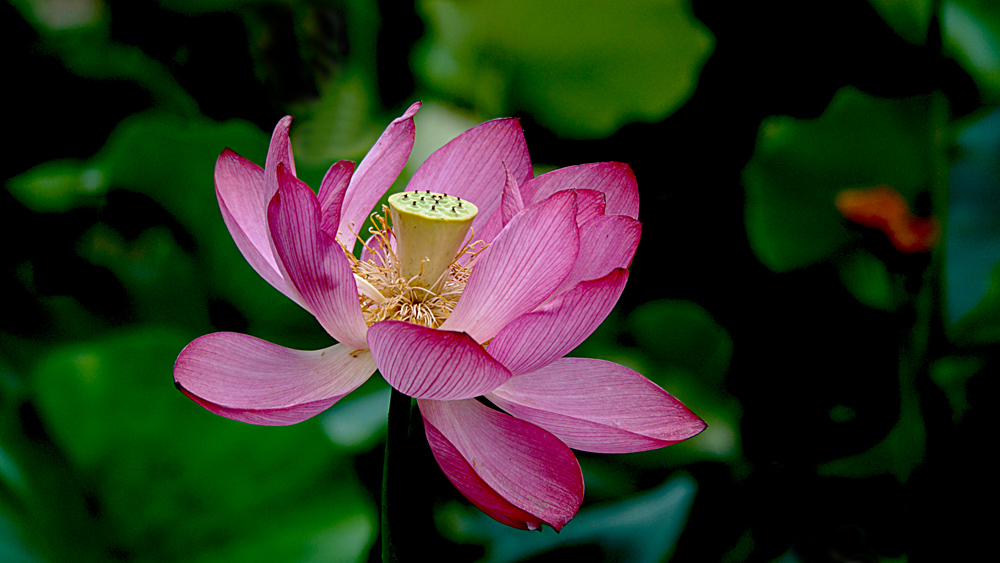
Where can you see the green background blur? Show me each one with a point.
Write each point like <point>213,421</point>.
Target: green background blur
<point>844,383</point>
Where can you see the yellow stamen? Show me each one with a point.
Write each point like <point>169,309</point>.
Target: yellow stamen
<point>387,294</point>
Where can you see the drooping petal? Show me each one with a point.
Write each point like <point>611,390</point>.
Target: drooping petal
<point>615,179</point>
<point>598,406</point>
<point>520,269</point>
<point>510,201</point>
<point>239,187</point>
<point>471,166</point>
<point>313,262</point>
<point>517,473</point>
<point>548,333</point>
<point>331,194</point>
<point>607,242</point>
<point>375,174</point>
<point>429,363</point>
<point>252,380</point>
<point>278,152</point>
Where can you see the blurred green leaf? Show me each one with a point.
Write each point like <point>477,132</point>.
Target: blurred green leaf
<point>868,279</point>
<point>161,279</point>
<point>239,492</point>
<point>172,160</point>
<point>642,529</point>
<point>951,374</point>
<point>12,548</point>
<point>971,30</point>
<point>58,186</point>
<point>583,69</point>
<point>202,6</point>
<point>799,166</point>
<point>357,422</point>
<point>898,454</point>
<point>683,335</point>
<point>982,324</point>
<point>78,32</point>
<point>909,18</point>
<point>972,252</point>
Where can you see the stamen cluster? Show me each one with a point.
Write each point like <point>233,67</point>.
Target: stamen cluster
<point>386,295</point>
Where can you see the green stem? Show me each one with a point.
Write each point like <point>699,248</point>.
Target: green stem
<point>393,472</point>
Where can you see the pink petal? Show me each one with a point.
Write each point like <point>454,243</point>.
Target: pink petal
<point>375,174</point>
<point>520,269</point>
<point>615,179</point>
<point>313,262</point>
<point>517,473</point>
<point>331,194</point>
<point>251,380</point>
<point>239,187</point>
<point>589,204</point>
<point>278,152</point>
<point>510,201</point>
<point>548,333</point>
<point>471,166</point>
<point>607,242</point>
<point>598,406</point>
<point>429,363</point>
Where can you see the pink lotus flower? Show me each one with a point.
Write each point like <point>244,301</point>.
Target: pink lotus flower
<point>496,322</point>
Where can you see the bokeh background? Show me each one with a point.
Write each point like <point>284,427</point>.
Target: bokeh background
<point>844,381</point>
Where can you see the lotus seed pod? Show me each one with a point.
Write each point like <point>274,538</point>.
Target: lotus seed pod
<point>430,229</point>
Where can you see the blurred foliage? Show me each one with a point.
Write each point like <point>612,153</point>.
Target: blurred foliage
<point>643,529</point>
<point>910,18</point>
<point>800,165</point>
<point>582,69</point>
<point>842,381</point>
<point>972,37</point>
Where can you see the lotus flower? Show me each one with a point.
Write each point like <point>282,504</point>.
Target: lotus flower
<point>489,316</point>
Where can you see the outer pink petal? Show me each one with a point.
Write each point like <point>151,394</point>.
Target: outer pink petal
<point>516,472</point>
<point>471,166</point>
<point>239,187</point>
<point>607,242</point>
<point>520,269</point>
<point>548,333</point>
<point>615,179</point>
<point>428,363</point>
<point>375,174</point>
<point>278,152</point>
<point>589,204</point>
<point>331,194</point>
<point>598,406</point>
<point>251,380</point>
<point>313,262</point>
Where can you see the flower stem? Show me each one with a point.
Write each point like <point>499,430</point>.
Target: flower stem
<point>393,472</point>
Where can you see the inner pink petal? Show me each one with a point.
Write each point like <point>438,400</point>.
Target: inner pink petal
<point>520,269</point>
<point>430,363</point>
<point>548,333</point>
<point>471,166</point>
<point>379,169</point>
<point>615,179</point>
<point>313,261</point>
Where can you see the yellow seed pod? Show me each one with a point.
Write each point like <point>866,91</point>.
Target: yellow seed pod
<point>430,229</point>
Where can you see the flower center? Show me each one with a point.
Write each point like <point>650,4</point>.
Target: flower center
<point>413,273</point>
